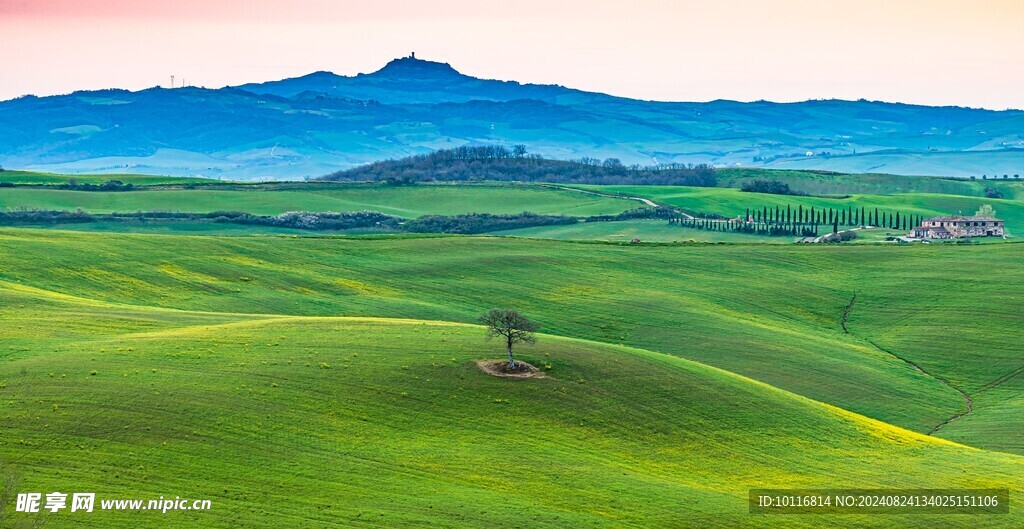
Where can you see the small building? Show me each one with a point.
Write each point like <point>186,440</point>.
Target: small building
<point>956,227</point>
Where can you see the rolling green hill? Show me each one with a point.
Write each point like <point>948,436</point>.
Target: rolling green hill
<point>326,421</point>
<point>733,307</point>
<point>329,380</point>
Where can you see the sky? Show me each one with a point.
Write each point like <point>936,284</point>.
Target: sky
<point>936,52</point>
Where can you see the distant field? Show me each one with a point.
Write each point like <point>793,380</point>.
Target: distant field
<point>733,202</point>
<point>181,228</point>
<point>828,183</point>
<point>645,230</point>
<point>661,231</point>
<point>961,163</point>
<point>30,177</point>
<point>408,202</point>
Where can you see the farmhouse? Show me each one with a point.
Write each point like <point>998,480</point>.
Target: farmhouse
<point>958,226</point>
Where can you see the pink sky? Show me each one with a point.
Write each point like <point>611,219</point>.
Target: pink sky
<point>921,51</point>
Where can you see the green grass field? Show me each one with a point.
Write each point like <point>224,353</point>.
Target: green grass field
<point>319,422</point>
<point>257,373</point>
<point>734,307</point>
<point>409,202</point>
<point>645,230</point>
<point>187,227</point>
<point>31,177</point>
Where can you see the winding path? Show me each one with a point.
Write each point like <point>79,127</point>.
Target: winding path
<point>968,401</point>
<point>646,201</point>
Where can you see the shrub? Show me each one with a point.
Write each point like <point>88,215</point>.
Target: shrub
<point>109,185</point>
<point>773,187</point>
<point>306,220</point>
<point>35,216</point>
<point>991,192</point>
<point>638,213</point>
<point>481,222</point>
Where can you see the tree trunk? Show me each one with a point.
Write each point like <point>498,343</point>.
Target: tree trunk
<point>511,361</point>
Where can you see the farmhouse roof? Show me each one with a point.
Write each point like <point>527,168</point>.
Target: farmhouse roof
<point>963,218</point>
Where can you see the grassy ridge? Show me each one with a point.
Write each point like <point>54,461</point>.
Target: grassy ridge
<point>409,202</point>
<point>735,307</point>
<point>831,183</point>
<point>319,422</point>
<point>32,177</point>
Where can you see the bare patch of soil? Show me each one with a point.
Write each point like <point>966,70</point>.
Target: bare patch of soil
<point>500,368</point>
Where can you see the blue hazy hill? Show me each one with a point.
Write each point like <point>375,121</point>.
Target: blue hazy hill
<point>322,122</point>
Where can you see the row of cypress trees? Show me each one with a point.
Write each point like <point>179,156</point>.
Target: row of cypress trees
<point>801,221</point>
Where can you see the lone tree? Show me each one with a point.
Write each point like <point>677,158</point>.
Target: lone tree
<point>511,326</point>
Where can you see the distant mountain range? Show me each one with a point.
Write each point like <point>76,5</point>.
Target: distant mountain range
<point>322,122</point>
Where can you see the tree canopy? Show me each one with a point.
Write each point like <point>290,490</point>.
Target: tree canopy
<point>512,326</point>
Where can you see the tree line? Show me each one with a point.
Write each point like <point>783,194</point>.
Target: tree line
<point>470,223</point>
<point>801,221</point>
<point>773,187</point>
<point>499,163</point>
